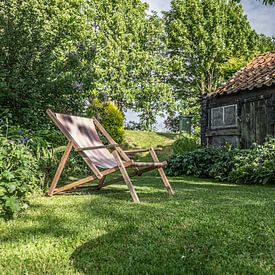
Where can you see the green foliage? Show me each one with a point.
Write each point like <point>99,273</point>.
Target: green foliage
<point>38,67</point>
<point>186,142</point>
<point>172,123</point>
<point>208,41</point>
<point>19,176</point>
<point>255,166</point>
<point>231,66</point>
<point>110,117</point>
<point>251,166</point>
<point>204,162</point>
<point>270,2</point>
<point>130,64</point>
<point>59,55</point>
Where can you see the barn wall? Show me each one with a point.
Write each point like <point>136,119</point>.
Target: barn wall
<point>204,120</point>
<point>256,117</point>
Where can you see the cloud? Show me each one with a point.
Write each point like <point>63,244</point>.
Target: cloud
<point>261,17</point>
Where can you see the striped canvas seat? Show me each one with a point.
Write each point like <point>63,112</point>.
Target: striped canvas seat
<point>83,133</point>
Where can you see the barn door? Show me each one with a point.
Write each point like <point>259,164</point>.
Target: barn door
<point>254,122</point>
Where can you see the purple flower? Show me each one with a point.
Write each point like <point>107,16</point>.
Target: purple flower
<point>23,139</point>
<point>77,85</point>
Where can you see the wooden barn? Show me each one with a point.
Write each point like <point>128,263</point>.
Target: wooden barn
<point>242,111</point>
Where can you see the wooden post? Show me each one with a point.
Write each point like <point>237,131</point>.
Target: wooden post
<point>126,177</point>
<point>60,167</point>
<point>161,172</point>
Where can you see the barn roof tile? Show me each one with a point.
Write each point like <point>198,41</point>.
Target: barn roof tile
<point>259,72</point>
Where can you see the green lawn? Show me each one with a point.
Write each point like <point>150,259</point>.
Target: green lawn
<point>145,139</point>
<point>207,227</point>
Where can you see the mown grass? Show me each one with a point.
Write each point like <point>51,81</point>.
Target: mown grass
<point>206,228</point>
<point>146,139</point>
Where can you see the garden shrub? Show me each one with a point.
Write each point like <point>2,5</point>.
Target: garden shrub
<point>204,162</point>
<point>110,117</point>
<point>251,166</point>
<point>186,142</point>
<point>19,176</point>
<point>256,165</point>
<point>48,146</point>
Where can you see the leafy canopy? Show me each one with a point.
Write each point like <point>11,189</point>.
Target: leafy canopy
<point>207,42</point>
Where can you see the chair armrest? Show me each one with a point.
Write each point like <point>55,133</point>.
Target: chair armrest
<point>96,147</point>
<point>141,150</point>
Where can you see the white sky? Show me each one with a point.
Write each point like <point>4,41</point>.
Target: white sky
<point>261,18</point>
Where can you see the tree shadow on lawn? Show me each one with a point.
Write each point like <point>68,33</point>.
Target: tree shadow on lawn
<point>203,198</point>
<point>46,223</point>
<point>153,249</point>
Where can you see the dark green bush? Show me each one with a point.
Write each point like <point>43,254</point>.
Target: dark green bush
<point>256,165</point>
<point>251,166</point>
<point>186,142</point>
<point>204,162</point>
<point>19,176</point>
<point>110,117</point>
<point>48,146</point>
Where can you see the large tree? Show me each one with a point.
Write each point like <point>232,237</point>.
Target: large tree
<point>203,36</point>
<point>129,64</point>
<point>60,53</point>
<point>35,36</point>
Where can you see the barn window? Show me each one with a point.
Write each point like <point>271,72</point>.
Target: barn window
<point>223,117</point>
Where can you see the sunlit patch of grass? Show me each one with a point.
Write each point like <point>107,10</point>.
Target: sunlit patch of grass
<point>207,227</point>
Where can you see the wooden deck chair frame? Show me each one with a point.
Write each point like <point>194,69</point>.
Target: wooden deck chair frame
<point>121,157</point>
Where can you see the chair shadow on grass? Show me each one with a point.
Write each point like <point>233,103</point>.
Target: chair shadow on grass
<point>185,188</point>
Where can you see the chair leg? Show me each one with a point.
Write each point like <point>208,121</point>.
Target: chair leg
<point>161,172</point>
<point>101,183</point>
<point>126,177</point>
<point>60,168</point>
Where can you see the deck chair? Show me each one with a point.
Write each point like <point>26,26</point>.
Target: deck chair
<point>102,159</point>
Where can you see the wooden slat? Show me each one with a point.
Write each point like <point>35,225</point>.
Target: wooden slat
<point>161,172</point>
<point>74,184</point>
<point>154,164</point>
<point>126,176</point>
<point>141,150</point>
<point>60,167</point>
<point>96,147</point>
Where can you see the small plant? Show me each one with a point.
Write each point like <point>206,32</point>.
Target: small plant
<point>204,162</point>
<point>256,165</point>
<point>110,117</point>
<point>186,142</point>
<point>19,176</point>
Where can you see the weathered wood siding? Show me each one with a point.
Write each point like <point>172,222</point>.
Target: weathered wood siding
<point>255,118</point>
